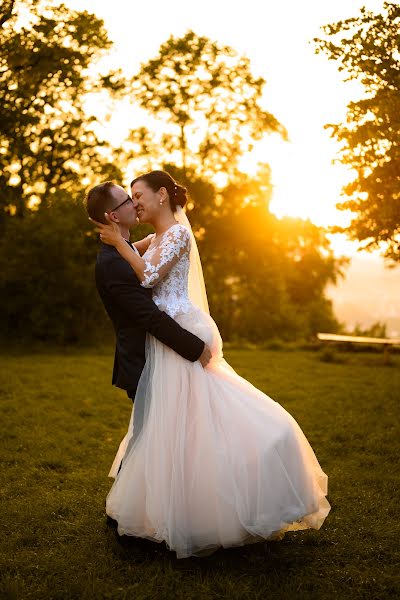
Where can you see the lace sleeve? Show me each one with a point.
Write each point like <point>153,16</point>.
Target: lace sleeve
<point>174,243</point>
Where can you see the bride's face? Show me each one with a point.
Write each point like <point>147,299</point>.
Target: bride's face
<point>148,201</point>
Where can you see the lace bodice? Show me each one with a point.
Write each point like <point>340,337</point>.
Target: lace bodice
<point>167,269</point>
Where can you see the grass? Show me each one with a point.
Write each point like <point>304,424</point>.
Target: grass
<point>61,428</point>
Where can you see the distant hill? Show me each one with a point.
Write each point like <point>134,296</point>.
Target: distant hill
<point>370,292</point>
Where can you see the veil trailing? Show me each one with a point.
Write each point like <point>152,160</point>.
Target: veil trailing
<point>197,288</point>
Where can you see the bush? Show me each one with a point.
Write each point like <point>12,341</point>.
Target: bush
<point>47,289</point>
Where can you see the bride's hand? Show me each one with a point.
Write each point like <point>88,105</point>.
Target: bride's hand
<point>109,233</point>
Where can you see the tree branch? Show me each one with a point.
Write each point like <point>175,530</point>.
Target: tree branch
<point>6,11</point>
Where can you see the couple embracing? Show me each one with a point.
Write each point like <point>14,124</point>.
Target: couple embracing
<point>208,460</point>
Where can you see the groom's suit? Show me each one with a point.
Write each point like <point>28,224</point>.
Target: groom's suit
<point>133,313</point>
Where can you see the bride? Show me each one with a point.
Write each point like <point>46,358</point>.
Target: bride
<point>216,462</point>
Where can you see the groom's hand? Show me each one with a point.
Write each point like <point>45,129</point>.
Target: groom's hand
<point>205,356</point>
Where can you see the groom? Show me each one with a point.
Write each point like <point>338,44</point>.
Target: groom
<point>128,304</point>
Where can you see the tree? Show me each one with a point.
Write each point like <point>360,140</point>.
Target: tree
<point>265,276</point>
<point>258,285</point>
<point>367,47</point>
<point>49,154</point>
<point>47,288</point>
<point>47,142</point>
<point>263,279</point>
<point>209,101</point>
<point>377,329</point>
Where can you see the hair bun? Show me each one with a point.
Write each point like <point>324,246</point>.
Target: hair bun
<point>180,195</point>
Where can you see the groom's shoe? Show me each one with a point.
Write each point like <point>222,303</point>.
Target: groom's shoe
<point>111,522</point>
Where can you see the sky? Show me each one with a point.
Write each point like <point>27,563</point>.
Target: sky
<point>303,90</point>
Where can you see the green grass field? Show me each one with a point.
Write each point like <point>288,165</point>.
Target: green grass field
<point>62,423</point>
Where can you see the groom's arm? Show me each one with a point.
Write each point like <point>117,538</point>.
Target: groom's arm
<point>134,301</point>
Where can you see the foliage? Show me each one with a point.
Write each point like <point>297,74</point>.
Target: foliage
<point>209,102</point>
<point>47,142</point>
<point>367,48</point>
<point>377,329</point>
<point>47,289</point>
<point>48,155</point>
<point>265,276</point>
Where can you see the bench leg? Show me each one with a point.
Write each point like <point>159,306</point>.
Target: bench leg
<point>386,354</point>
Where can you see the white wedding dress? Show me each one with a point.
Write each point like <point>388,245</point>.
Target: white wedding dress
<point>216,461</point>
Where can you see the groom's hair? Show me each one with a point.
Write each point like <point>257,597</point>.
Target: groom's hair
<point>100,200</point>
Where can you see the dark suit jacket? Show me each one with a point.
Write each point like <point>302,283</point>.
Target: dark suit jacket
<point>133,313</point>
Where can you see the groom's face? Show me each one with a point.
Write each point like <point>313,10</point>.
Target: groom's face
<point>124,208</point>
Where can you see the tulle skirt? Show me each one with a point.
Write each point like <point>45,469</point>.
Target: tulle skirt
<point>209,460</point>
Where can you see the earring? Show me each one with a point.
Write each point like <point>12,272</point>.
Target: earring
<point>161,202</point>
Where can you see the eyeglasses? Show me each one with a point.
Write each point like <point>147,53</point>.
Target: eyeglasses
<point>129,199</point>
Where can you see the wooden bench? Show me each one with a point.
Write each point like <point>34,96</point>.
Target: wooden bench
<point>354,339</point>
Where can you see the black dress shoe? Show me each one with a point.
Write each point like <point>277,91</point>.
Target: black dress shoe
<point>111,522</point>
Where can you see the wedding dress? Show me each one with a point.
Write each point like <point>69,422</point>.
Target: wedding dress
<point>214,462</point>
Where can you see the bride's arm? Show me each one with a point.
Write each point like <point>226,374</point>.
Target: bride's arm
<point>111,235</point>
<point>173,244</point>
<point>142,245</point>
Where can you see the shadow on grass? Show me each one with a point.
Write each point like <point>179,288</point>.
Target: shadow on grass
<point>275,557</point>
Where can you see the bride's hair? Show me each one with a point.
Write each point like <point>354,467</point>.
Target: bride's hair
<point>158,179</point>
